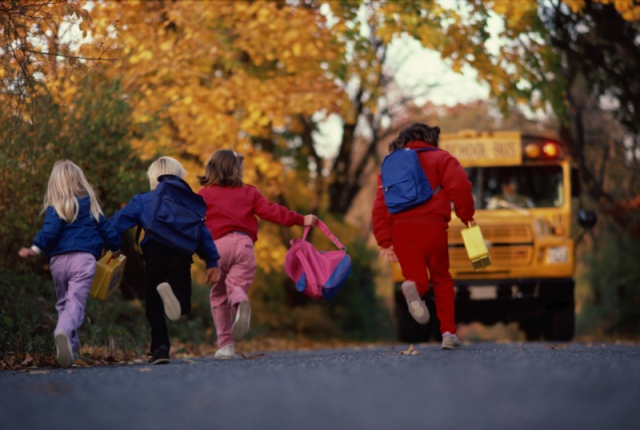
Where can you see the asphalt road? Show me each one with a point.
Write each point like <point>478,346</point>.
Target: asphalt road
<point>489,386</point>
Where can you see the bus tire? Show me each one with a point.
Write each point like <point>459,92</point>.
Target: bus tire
<point>560,321</point>
<point>532,328</point>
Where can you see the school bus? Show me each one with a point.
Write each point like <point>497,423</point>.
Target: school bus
<point>523,187</point>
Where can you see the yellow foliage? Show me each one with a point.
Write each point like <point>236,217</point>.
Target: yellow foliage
<point>629,9</point>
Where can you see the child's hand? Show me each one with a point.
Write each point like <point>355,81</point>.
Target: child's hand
<point>26,252</point>
<point>212,275</point>
<point>388,254</point>
<point>310,220</point>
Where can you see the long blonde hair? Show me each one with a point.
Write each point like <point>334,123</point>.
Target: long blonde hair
<point>164,166</point>
<point>66,184</point>
<point>224,168</point>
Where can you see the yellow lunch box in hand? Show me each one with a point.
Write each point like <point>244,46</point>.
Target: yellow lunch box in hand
<point>476,248</point>
<point>109,271</point>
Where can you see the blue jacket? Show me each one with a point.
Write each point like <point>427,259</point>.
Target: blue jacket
<point>136,213</point>
<point>85,234</point>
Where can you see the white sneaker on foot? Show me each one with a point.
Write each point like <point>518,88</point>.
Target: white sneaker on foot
<point>227,352</point>
<point>417,308</point>
<point>241,324</point>
<point>450,341</point>
<point>169,300</point>
<point>64,353</point>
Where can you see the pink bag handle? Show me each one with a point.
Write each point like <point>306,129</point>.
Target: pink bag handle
<point>323,228</point>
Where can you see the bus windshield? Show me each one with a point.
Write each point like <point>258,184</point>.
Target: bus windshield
<point>509,187</point>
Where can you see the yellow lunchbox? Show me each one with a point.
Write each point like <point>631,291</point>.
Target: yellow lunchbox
<point>108,276</point>
<point>476,248</point>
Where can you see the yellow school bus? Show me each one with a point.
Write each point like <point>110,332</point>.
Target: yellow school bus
<point>523,187</point>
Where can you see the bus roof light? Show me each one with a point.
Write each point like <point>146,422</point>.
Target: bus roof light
<point>550,150</point>
<point>532,150</point>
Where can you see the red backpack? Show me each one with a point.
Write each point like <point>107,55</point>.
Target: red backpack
<point>318,274</point>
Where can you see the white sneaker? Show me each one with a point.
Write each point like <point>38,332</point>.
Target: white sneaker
<point>227,352</point>
<point>450,341</point>
<point>169,300</point>
<point>417,308</point>
<point>64,353</point>
<point>241,324</point>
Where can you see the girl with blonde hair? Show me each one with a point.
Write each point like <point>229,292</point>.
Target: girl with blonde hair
<point>168,268</point>
<point>232,207</point>
<point>73,236</point>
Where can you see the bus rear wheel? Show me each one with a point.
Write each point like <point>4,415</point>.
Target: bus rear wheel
<point>559,324</point>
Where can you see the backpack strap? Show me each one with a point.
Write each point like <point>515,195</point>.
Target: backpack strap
<point>323,228</point>
<point>439,187</point>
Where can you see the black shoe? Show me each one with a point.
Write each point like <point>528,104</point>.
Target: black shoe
<point>160,355</point>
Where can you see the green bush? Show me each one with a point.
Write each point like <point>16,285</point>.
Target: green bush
<point>94,132</point>
<point>27,313</point>
<point>28,318</point>
<point>613,306</point>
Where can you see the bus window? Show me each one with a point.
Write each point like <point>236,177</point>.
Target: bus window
<point>517,186</point>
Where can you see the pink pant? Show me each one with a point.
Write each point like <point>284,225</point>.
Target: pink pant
<point>237,269</point>
<point>422,246</point>
<point>72,276</point>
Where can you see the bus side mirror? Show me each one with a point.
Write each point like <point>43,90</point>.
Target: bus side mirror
<point>587,219</point>
<point>575,182</point>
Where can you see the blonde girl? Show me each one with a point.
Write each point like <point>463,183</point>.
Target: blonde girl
<point>232,207</point>
<point>73,237</point>
<point>168,270</point>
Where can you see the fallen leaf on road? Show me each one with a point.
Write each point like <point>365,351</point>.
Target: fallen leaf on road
<point>145,369</point>
<point>410,351</point>
<point>556,347</point>
<point>251,357</point>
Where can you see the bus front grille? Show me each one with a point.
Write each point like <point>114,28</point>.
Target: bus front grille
<point>496,234</point>
<point>509,245</point>
<point>517,255</point>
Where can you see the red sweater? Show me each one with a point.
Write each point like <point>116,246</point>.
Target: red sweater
<point>442,169</point>
<point>235,209</point>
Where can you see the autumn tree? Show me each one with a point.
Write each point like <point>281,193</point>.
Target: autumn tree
<point>576,58</point>
<point>56,105</point>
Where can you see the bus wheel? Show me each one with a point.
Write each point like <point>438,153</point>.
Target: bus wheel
<point>560,321</point>
<point>532,328</point>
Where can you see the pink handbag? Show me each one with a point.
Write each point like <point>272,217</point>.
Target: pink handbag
<point>318,274</point>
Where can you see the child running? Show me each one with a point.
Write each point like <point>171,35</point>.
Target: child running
<point>417,237</point>
<point>73,236</point>
<point>168,271</point>
<point>232,207</point>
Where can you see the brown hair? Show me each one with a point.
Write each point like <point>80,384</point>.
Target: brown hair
<point>416,132</point>
<point>224,168</point>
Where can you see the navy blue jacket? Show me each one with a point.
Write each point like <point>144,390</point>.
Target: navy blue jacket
<point>136,213</point>
<point>85,234</point>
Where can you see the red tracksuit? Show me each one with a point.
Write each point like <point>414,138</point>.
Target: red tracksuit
<point>419,235</point>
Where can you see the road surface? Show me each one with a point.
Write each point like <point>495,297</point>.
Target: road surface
<point>490,386</point>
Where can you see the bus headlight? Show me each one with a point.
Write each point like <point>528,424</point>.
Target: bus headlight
<point>557,254</point>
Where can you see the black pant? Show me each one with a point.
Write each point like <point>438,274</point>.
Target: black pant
<point>165,265</point>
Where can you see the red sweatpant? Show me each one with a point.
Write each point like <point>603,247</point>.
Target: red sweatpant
<point>422,246</point>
